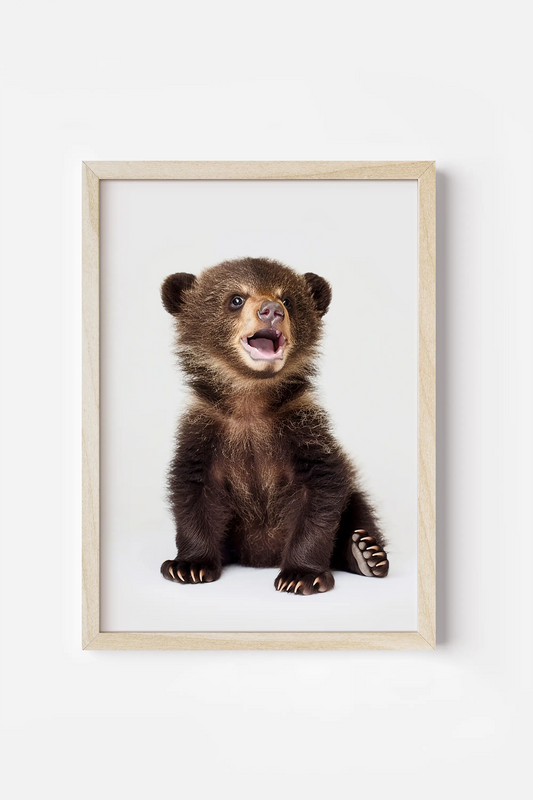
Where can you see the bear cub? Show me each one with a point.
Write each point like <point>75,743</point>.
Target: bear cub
<point>257,477</point>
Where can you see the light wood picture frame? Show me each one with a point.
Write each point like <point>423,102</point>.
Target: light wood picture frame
<point>424,172</point>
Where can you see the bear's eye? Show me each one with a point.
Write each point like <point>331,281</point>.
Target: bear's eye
<point>286,302</point>
<point>237,301</point>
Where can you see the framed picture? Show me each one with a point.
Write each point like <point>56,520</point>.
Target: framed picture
<point>259,405</point>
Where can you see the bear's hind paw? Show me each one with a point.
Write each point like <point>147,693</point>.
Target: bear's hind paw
<point>366,556</point>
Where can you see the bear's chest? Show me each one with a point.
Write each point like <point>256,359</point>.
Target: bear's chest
<point>254,468</point>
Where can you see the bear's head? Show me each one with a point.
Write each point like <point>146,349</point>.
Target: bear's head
<point>248,318</point>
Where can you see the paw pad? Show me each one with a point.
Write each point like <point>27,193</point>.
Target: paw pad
<point>367,556</point>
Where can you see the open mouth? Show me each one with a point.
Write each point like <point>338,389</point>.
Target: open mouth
<point>265,345</point>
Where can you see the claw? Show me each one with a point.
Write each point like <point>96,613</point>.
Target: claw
<point>381,564</point>
<point>316,580</point>
<point>201,575</point>
<point>297,586</point>
<point>171,572</point>
<point>181,576</point>
<point>283,587</point>
<point>289,586</point>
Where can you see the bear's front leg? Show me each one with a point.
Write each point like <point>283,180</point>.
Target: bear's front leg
<point>305,567</point>
<point>200,523</point>
<point>322,479</point>
<point>306,560</point>
<point>198,508</point>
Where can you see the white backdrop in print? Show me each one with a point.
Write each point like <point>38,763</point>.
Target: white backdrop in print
<point>362,237</point>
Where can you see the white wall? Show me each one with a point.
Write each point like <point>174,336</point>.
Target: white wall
<point>288,80</point>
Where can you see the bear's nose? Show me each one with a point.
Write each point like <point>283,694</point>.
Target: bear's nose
<point>271,311</point>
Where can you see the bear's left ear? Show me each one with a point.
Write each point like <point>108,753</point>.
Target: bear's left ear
<point>173,289</point>
<point>320,290</point>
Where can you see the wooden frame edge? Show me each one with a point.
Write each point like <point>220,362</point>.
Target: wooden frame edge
<point>90,406</point>
<point>427,404</point>
<point>425,174</point>
<point>258,170</point>
<point>244,640</point>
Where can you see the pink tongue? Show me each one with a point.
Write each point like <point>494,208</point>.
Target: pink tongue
<point>265,345</point>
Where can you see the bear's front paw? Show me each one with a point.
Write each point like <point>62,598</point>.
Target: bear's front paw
<point>302,582</point>
<point>189,572</point>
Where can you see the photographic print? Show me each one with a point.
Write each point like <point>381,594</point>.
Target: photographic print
<point>265,468</point>
<point>258,479</point>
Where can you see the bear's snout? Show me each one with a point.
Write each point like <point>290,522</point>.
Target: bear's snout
<point>271,311</point>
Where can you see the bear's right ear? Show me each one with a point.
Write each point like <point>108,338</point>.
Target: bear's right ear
<point>173,289</point>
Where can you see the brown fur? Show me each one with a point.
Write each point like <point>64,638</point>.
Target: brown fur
<point>257,477</point>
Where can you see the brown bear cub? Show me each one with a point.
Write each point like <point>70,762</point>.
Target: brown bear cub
<point>258,478</point>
